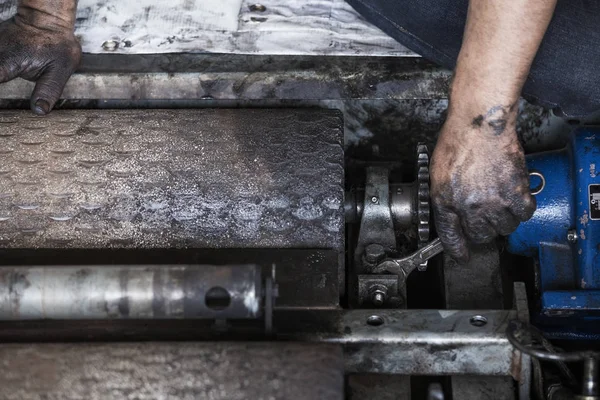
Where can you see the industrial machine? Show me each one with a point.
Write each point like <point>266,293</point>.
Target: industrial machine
<point>562,235</point>
<point>240,226</point>
<point>135,225</point>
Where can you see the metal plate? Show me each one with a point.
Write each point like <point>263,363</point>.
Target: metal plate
<point>411,342</point>
<point>164,179</point>
<point>594,193</point>
<point>312,27</point>
<point>408,342</point>
<point>175,371</point>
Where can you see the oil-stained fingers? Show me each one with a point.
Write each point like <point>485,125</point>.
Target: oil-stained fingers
<point>477,227</point>
<point>523,207</point>
<point>503,221</point>
<point>451,233</point>
<point>49,88</point>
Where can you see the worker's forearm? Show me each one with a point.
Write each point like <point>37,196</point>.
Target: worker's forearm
<point>500,42</point>
<point>47,14</point>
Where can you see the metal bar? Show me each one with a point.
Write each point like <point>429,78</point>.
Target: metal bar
<point>413,342</point>
<point>178,371</point>
<point>402,342</point>
<point>286,85</point>
<point>130,292</point>
<point>524,371</point>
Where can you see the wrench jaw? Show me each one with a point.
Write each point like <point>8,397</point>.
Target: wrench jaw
<point>389,266</point>
<point>403,267</point>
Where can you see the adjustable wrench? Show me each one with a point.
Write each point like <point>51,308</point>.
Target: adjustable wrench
<point>404,266</point>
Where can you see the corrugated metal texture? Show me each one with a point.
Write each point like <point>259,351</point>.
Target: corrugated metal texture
<point>164,179</point>
<point>314,27</point>
<point>173,371</point>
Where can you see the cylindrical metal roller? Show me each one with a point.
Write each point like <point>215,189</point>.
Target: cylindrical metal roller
<point>131,292</point>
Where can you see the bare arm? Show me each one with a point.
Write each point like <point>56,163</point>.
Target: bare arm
<point>480,185</point>
<point>39,45</point>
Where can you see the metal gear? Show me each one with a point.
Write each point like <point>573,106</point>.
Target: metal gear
<point>423,203</point>
<point>423,200</point>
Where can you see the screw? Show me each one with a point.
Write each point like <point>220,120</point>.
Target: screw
<point>374,253</point>
<point>478,321</point>
<point>257,8</point>
<point>110,45</point>
<point>374,199</point>
<point>572,236</point>
<point>378,298</point>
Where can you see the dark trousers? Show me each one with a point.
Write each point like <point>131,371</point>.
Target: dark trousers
<point>565,74</point>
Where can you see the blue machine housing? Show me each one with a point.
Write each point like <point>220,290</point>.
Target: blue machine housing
<point>564,233</point>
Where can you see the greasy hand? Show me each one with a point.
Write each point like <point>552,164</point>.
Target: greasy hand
<point>479,180</point>
<point>46,56</point>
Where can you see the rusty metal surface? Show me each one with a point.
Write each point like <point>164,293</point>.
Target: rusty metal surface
<point>240,86</point>
<point>172,178</point>
<point>131,292</point>
<point>411,342</point>
<point>476,284</point>
<point>407,342</point>
<point>174,371</point>
<point>311,27</point>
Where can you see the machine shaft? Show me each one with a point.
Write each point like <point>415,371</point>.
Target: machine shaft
<point>131,292</point>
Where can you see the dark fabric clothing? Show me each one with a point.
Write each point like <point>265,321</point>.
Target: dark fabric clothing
<point>565,73</point>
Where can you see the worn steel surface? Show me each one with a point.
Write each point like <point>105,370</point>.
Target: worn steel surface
<point>174,371</point>
<point>226,26</point>
<point>476,284</point>
<point>131,292</point>
<point>483,388</point>
<point>189,178</point>
<point>380,387</point>
<point>412,342</point>
<point>376,224</point>
<point>247,78</point>
<point>389,104</point>
<point>405,342</point>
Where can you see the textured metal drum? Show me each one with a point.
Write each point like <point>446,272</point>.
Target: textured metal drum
<point>172,179</point>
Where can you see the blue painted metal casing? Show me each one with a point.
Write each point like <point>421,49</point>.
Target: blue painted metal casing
<point>569,270</point>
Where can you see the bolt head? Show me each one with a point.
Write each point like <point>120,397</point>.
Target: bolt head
<point>374,253</point>
<point>572,236</point>
<point>374,199</point>
<point>378,298</point>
